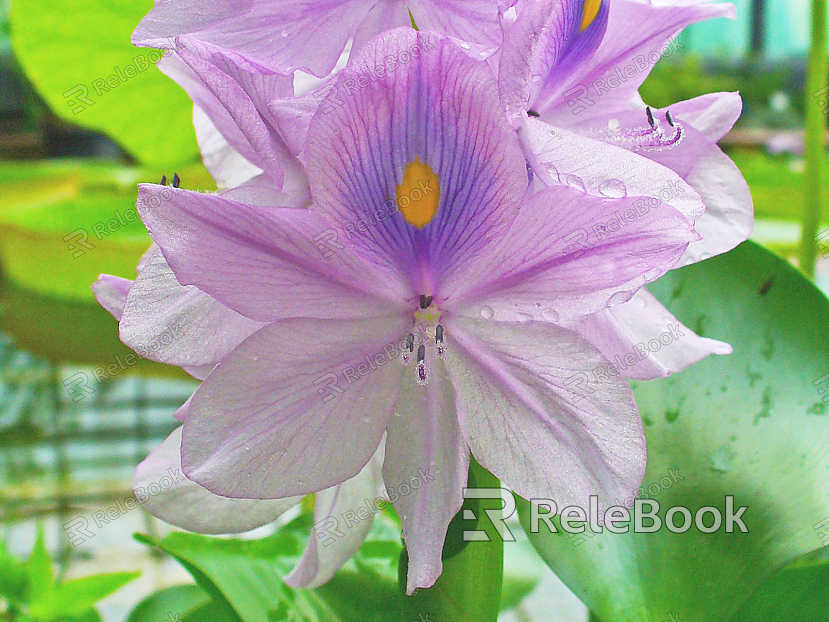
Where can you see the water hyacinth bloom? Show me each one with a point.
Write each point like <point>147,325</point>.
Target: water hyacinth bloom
<point>309,35</point>
<point>569,76</point>
<point>417,307</point>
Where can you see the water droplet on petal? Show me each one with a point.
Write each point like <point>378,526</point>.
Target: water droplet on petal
<point>550,315</point>
<point>705,256</point>
<point>641,302</point>
<point>465,45</point>
<point>284,33</point>
<point>618,298</point>
<point>613,188</point>
<point>524,317</point>
<point>487,313</point>
<point>613,125</point>
<point>576,182</point>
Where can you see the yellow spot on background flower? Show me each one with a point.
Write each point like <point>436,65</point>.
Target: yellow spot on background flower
<point>591,10</point>
<point>418,195</point>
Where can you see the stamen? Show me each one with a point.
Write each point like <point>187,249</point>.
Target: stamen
<point>533,113</point>
<point>422,376</point>
<point>669,118</point>
<point>176,180</point>
<point>406,355</point>
<point>163,180</point>
<point>440,348</point>
<point>651,120</point>
<point>425,301</point>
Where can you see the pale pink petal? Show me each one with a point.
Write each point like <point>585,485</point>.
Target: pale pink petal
<point>164,491</point>
<point>111,293</point>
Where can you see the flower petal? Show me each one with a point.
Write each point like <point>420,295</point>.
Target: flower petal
<point>542,47</point>
<point>625,334</point>
<point>227,166</point>
<point>332,543</point>
<point>569,255</point>
<point>204,330</point>
<point>474,21</point>
<point>713,114</point>
<point>562,157</point>
<point>440,110</point>
<point>165,493</point>
<point>111,292</point>
<point>425,444</point>
<point>535,416</point>
<point>266,264</point>
<point>277,35</point>
<point>637,36</point>
<point>288,412</point>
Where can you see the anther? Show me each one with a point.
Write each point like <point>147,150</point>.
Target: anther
<point>163,180</point>
<point>533,113</point>
<point>421,353</point>
<point>422,376</point>
<point>439,334</point>
<point>669,118</point>
<point>440,347</point>
<point>410,342</point>
<point>406,354</point>
<point>651,120</point>
<point>176,180</point>
<point>425,301</point>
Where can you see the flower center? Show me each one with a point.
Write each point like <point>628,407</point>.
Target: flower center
<point>591,10</point>
<point>418,194</point>
<point>428,331</point>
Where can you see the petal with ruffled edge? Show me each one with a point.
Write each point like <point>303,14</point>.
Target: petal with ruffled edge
<point>534,415</point>
<point>475,22</point>
<point>541,48</point>
<point>637,35</point>
<point>277,35</point>
<point>165,493</point>
<point>333,541</point>
<point>205,331</point>
<point>441,109</point>
<point>225,164</point>
<point>297,408</point>
<point>625,335</point>
<point>265,263</point>
<point>424,446</point>
<point>111,293</point>
<point>570,254</point>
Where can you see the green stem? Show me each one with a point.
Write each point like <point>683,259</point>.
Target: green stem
<point>469,589</point>
<point>815,137</point>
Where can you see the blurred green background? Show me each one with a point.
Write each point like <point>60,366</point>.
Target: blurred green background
<point>84,117</point>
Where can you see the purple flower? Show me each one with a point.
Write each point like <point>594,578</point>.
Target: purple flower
<point>418,306</point>
<point>569,78</point>
<point>286,35</point>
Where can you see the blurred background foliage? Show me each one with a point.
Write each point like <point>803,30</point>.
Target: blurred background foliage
<point>69,162</point>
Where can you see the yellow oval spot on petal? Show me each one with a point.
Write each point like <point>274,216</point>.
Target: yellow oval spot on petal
<point>419,194</point>
<point>591,10</point>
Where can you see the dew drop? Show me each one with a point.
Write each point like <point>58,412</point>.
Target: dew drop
<point>613,188</point>
<point>284,33</point>
<point>487,313</point>
<point>641,302</point>
<point>617,298</point>
<point>465,45</point>
<point>550,315</point>
<point>576,182</point>
<point>524,317</point>
<point>613,125</point>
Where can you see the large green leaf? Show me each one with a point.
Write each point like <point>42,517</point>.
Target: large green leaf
<point>792,595</point>
<point>751,424</point>
<point>179,599</point>
<point>78,55</point>
<point>248,576</point>
<point>75,597</point>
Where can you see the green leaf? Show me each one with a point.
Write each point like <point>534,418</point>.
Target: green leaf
<point>468,590</point>
<point>74,597</point>
<point>12,576</point>
<point>178,599</point>
<point>40,579</point>
<point>522,571</point>
<point>793,595</point>
<point>750,424</point>
<point>248,576</point>
<point>78,55</point>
